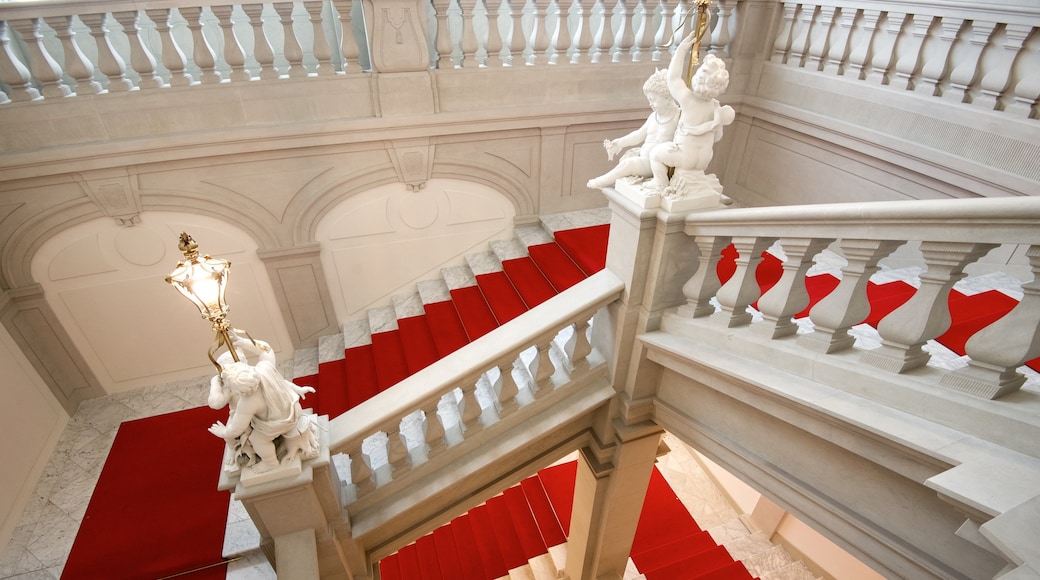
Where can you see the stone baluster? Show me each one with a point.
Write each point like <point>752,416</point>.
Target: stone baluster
<point>783,38</point>
<point>172,56</point>
<point>819,42</point>
<point>13,73</point>
<point>433,431</point>
<point>291,49</point>
<point>361,475</point>
<point>202,52</point>
<point>469,37</point>
<point>76,63</point>
<point>348,45</point>
<point>687,15</point>
<point>704,283</point>
<point>470,410</point>
<point>233,54</point>
<point>539,37</point>
<point>562,38</point>
<point>936,55</point>
<point>861,41</point>
<point>891,30</point>
<point>320,43</point>
<point>494,39</point>
<point>847,305</point>
<point>506,389</point>
<point>969,60</point>
<point>788,296</point>
<point>578,346</point>
<point>1024,97</point>
<point>605,35</point>
<point>664,31</point>
<point>397,453</point>
<point>516,33</point>
<point>998,350</point>
<point>909,60</point>
<point>838,52</point>
<point>109,61</point>
<point>721,36</point>
<point>926,314</point>
<point>262,51</point>
<point>141,59</point>
<point>444,43</point>
<point>742,288</point>
<point>801,27</point>
<point>625,36</point>
<point>645,33</point>
<point>997,79</point>
<point>542,368</point>
<point>44,68</point>
<point>583,50</point>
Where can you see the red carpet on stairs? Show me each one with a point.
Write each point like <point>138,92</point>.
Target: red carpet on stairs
<point>586,246</point>
<point>448,332</point>
<point>158,470</point>
<point>523,522</point>
<point>420,349</point>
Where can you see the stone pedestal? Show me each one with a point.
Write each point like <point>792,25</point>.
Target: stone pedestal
<point>298,510</point>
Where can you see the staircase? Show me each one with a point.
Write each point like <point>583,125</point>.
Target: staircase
<point>521,534</point>
<point>444,314</point>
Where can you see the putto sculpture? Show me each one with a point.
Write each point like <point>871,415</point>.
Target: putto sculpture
<point>267,428</point>
<point>677,163</point>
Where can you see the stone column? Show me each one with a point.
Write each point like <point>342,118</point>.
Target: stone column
<point>609,490</point>
<point>302,292</point>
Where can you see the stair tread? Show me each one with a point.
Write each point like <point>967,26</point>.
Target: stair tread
<point>432,291</point>
<point>407,305</point>
<point>503,299</point>
<point>558,482</point>
<point>330,347</point>
<point>305,362</point>
<point>448,560</point>
<point>356,333</point>
<point>388,354</point>
<point>483,263</point>
<point>420,350</point>
<point>334,397</point>
<point>533,287</point>
<point>362,383</point>
<point>668,552</point>
<point>508,538</point>
<point>408,557</point>
<point>466,547</point>
<point>508,249</point>
<point>526,526</point>
<point>582,218</point>
<point>458,277</point>
<point>587,246</point>
<point>532,235</point>
<point>541,507</point>
<point>486,542</point>
<point>390,567</point>
<point>556,265</point>
<point>691,566</point>
<point>382,319</point>
<point>663,518</point>
<point>474,312</point>
<point>429,567</point>
<point>447,329</point>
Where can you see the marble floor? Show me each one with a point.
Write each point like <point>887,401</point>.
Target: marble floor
<point>43,539</point>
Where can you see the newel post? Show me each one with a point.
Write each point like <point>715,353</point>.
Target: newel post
<point>400,55</point>
<point>304,530</point>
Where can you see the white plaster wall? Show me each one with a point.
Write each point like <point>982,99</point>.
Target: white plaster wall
<point>378,243</point>
<point>33,421</point>
<point>106,284</point>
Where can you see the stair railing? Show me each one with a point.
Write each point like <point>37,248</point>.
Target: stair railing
<point>481,385</point>
<point>952,235</point>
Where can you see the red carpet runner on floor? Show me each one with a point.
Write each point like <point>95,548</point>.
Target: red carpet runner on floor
<point>156,510</point>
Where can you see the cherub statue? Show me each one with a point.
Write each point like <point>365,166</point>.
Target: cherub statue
<point>700,125</point>
<point>264,409</point>
<point>658,128</point>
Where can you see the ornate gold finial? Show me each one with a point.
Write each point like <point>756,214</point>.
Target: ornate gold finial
<point>188,247</point>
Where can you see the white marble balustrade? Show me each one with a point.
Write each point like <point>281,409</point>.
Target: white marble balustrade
<point>948,236</point>
<point>986,53</point>
<point>481,384</point>
<point>58,50</point>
